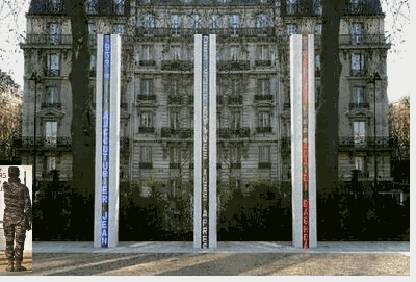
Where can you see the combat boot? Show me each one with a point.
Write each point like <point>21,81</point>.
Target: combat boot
<point>10,266</point>
<point>19,267</point>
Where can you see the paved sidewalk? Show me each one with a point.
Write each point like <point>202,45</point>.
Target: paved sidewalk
<point>27,262</point>
<point>324,247</point>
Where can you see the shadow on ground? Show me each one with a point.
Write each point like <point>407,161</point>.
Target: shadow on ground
<point>220,264</point>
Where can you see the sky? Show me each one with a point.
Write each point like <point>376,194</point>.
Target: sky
<point>398,63</point>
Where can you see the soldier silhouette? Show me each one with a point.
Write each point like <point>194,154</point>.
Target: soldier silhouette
<point>16,220</point>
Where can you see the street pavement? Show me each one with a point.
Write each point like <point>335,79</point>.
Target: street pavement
<point>27,262</point>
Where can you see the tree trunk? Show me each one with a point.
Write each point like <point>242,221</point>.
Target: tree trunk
<point>82,128</point>
<point>327,111</point>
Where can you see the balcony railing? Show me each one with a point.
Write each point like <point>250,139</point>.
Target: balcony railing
<point>43,143</point>
<point>358,72</point>
<point>145,165</point>
<point>362,8</point>
<point>143,98</point>
<point>222,33</point>
<point>147,63</point>
<point>146,129</point>
<point>263,63</point>
<point>264,165</point>
<point>362,39</point>
<point>358,106</point>
<point>300,9</point>
<point>42,7</point>
<point>167,132</point>
<point>235,100</point>
<point>206,2</point>
<point>51,105</point>
<point>175,100</point>
<point>49,39</point>
<point>176,65</point>
<point>52,73</point>
<point>263,97</point>
<point>242,132</point>
<point>365,142</point>
<point>233,65</point>
<point>266,129</point>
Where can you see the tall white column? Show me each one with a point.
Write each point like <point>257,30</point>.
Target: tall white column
<point>302,99</point>
<point>107,155</point>
<point>205,203</point>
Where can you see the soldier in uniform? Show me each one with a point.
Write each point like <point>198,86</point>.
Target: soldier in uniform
<point>16,220</point>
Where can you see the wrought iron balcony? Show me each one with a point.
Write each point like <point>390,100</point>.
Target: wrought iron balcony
<point>49,39</point>
<point>264,165</point>
<point>263,97</point>
<point>362,39</point>
<point>242,132</point>
<point>358,73</point>
<point>174,99</point>
<point>362,8</point>
<point>176,65</point>
<point>222,33</point>
<point>43,143</point>
<point>146,98</point>
<point>301,8</point>
<point>235,100</point>
<point>233,65</point>
<point>51,105</point>
<point>52,73</point>
<point>168,132</point>
<point>364,143</point>
<point>235,165</point>
<point>206,2</point>
<point>145,165</point>
<point>146,129</point>
<point>147,63</point>
<point>358,106</point>
<point>42,7</point>
<point>266,129</point>
<point>263,63</point>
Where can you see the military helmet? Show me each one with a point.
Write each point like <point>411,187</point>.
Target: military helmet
<point>13,171</point>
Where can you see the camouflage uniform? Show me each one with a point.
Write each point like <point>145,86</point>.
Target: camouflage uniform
<point>17,218</point>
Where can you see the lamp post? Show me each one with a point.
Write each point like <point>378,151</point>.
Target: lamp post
<point>36,79</point>
<point>372,79</point>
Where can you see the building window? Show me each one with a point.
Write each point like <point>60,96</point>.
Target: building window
<point>291,29</point>
<point>146,53</point>
<point>174,119</point>
<point>56,5</point>
<point>54,33</point>
<point>175,157</point>
<point>93,63</point>
<point>118,7</point>
<point>234,22</point>
<point>359,163</point>
<point>196,21</point>
<point>235,119</point>
<point>51,132</point>
<point>235,157</point>
<point>358,95</point>
<point>264,121</point>
<point>317,8</point>
<point>357,64</point>
<point>262,21</point>
<point>291,7</point>
<point>149,21</point>
<point>214,22</point>
<point>317,30</point>
<point>118,28</point>
<point>92,28</point>
<point>175,22</point>
<point>317,65</point>
<point>52,95</point>
<point>91,7</point>
<point>357,33</point>
<point>53,63</point>
<point>264,157</point>
<point>146,87</point>
<point>263,87</point>
<point>146,157</point>
<point>146,120</point>
<point>50,164</point>
<point>263,52</point>
<point>359,132</point>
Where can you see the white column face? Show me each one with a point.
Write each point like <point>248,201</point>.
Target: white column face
<point>204,141</point>
<point>107,141</point>
<point>302,98</point>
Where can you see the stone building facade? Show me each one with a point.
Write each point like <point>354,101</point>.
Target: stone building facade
<point>253,107</point>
